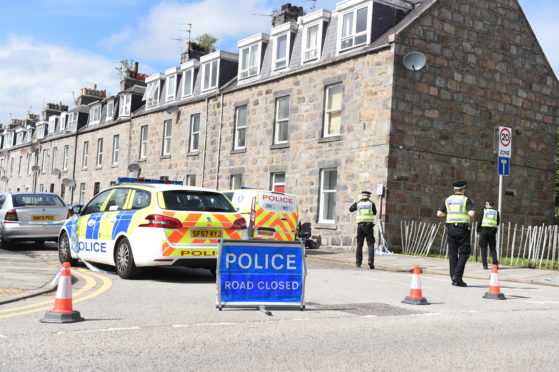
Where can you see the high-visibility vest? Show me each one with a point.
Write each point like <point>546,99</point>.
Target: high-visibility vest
<point>489,218</point>
<point>365,211</point>
<point>456,209</point>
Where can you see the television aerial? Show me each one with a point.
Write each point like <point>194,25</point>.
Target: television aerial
<point>414,61</point>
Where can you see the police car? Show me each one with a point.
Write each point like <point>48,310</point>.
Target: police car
<point>142,222</point>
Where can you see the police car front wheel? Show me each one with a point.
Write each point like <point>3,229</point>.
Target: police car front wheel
<point>124,260</point>
<point>64,250</point>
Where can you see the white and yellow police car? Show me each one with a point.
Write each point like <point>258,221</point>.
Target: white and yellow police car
<point>142,222</point>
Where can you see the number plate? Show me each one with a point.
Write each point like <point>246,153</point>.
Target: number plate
<point>265,233</point>
<point>206,233</point>
<point>42,218</point>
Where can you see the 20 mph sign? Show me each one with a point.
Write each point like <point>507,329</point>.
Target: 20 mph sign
<point>505,142</point>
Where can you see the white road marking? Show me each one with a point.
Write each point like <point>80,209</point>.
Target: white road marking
<point>102,330</point>
<point>542,302</point>
<point>426,314</point>
<point>2,336</point>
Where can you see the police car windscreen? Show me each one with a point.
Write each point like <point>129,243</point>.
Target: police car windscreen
<point>198,201</point>
<point>33,200</point>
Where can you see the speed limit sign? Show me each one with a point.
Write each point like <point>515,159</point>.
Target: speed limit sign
<point>505,142</point>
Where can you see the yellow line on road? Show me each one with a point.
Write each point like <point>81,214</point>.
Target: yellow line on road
<point>80,295</point>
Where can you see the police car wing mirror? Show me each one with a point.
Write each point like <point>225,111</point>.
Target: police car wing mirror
<point>77,209</point>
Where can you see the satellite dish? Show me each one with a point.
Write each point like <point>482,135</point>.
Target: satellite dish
<point>414,61</point>
<point>173,110</point>
<point>134,167</point>
<point>35,169</point>
<point>4,179</point>
<point>68,182</point>
<point>34,140</point>
<point>55,171</point>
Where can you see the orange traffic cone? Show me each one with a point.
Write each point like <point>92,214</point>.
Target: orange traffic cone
<point>494,288</point>
<point>415,297</point>
<point>62,311</point>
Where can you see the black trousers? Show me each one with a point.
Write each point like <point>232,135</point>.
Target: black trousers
<point>365,231</point>
<point>487,236</point>
<point>458,250</point>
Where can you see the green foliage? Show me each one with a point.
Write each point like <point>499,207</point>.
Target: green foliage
<point>206,42</point>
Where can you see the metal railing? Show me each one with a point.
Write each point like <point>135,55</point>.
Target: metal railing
<point>523,246</point>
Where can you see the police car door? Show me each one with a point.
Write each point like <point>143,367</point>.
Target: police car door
<point>114,221</point>
<point>89,224</point>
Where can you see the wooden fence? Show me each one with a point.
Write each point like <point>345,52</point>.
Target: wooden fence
<point>524,246</point>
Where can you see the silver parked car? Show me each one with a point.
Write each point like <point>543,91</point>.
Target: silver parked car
<point>31,216</point>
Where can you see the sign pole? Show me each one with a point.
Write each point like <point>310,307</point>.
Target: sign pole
<point>497,245</point>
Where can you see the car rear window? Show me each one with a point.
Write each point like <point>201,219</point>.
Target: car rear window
<point>33,200</point>
<point>197,201</point>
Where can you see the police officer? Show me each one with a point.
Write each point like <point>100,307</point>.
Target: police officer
<point>458,209</point>
<point>487,228</point>
<point>366,211</point>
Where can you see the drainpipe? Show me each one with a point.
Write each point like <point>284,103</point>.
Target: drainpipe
<point>219,143</point>
<point>205,141</point>
<point>75,159</point>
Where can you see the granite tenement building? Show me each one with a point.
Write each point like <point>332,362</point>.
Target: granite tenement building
<point>323,107</point>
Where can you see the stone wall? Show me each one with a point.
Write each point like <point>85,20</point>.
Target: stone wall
<point>484,69</point>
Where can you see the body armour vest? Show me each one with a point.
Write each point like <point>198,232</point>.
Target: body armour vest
<point>365,212</point>
<point>489,218</point>
<point>456,209</point>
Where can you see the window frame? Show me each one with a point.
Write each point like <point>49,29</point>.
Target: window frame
<point>278,120</point>
<point>95,114</point>
<point>72,121</point>
<point>327,112</point>
<point>125,101</point>
<point>152,94</point>
<point>173,96</point>
<point>85,154</point>
<point>65,157</point>
<point>353,35</point>
<point>116,149</point>
<point>167,133</point>
<point>82,193</point>
<point>322,194</point>
<point>194,135</point>
<point>213,74</point>
<point>53,160</point>
<point>275,183</point>
<point>190,180</point>
<point>190,72</point>
<point>247,71</point>
<point>275,51</point>
<point>143,141</point>
<point>233,181</point>
<point>240,130</point>
<point>110,113</point>
<point>99,155</point>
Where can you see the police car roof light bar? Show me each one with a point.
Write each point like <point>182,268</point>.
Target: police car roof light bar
<point>147,180</point>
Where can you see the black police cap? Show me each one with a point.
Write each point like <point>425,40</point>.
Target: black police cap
<point>366,193</point>
<point>459,185</point>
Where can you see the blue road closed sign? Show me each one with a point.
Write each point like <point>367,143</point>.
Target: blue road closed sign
<point>257,273</point>
<point>504,166</point>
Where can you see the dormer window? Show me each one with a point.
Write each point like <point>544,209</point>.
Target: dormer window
<point>124,104</point>
<point>210,73</point>
<point>171,84</point>
<point>52,124</point>
<point>72,121</point>
<point>110,110</point>
<point>282,42</point>
<point>313,31</point>
<point>188,69</point>
<point>62,125</point>
<point>151,95</point>
<point>251,55</point>
<point>95,115</point>
<point>355,26</point>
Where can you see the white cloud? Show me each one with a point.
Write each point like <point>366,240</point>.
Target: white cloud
<point>152,37</point>
<point>34,73</point>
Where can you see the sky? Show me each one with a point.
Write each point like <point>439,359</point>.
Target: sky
<point>49,49</point>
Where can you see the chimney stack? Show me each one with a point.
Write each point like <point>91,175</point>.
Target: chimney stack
<point>287,13</point>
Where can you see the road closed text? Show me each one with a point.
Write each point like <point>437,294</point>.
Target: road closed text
<point>262,285</point>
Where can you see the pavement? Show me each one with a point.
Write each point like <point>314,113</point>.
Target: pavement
<point>22,276</point>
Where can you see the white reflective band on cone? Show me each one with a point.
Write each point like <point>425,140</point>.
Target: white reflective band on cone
<point>64,289</point>
<point>494,281</point>
<point>415,282</point>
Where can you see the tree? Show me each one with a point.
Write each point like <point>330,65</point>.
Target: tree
<point>206,42</point>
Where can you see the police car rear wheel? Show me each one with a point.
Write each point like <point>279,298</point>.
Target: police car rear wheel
<point>64,250</point>
<point>125,266</point>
